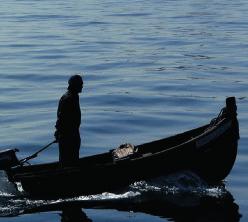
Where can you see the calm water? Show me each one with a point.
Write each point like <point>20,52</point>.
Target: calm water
<point>151,69</point>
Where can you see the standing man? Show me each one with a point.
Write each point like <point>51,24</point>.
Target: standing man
<point>67,132</point>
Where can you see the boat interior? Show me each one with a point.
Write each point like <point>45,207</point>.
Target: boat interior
<point>107,157</point>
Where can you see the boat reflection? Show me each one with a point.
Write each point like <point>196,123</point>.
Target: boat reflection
<point>205,209</point>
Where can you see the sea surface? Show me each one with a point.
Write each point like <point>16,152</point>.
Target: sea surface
<point>151,69</point>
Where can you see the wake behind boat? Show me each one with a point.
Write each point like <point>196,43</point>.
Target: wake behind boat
<point>209,151</point>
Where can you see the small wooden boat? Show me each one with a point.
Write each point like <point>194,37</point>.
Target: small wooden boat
<point>209,151</point>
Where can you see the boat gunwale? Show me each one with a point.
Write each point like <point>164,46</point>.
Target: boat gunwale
<point>205,133</point>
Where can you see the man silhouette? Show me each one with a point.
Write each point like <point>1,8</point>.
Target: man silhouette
<point>67,132</point>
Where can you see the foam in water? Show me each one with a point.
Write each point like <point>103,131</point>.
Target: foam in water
<point>7,188</point>
<point>185,181</point>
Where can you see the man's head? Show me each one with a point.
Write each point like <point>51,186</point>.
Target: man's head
<point>75,83</point>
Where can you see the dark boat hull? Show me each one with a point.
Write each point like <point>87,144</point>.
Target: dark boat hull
<point>210,151</point>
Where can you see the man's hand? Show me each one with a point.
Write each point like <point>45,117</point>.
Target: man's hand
<point>57,136</point>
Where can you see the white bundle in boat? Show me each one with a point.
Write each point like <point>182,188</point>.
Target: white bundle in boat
<point>123,151</point>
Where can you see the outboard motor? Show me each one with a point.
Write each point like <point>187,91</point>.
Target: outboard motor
<point>8,159</point>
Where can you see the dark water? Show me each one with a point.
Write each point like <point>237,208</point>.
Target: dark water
<point>151,69</point>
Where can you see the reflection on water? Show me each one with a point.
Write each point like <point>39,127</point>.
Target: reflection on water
<point>208,209</point>
<point>74,214</point>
